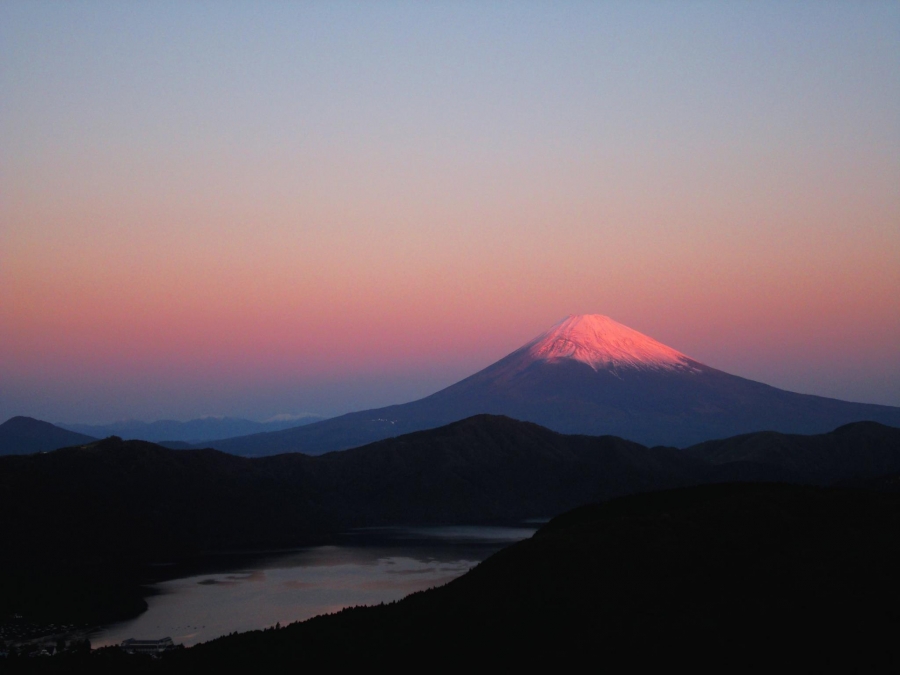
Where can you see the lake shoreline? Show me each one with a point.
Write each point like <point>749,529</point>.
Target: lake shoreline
<point>129,591</point>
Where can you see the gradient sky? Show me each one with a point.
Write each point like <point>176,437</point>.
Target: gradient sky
<point>250,208</point>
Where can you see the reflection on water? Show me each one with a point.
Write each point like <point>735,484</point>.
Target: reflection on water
<point>365,567</point>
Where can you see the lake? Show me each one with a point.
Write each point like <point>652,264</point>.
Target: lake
<point>363,567</point>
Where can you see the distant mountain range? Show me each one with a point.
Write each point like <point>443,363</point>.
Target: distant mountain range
<point>25,435</point>
<point>588,375</point>
<point>199,430</point>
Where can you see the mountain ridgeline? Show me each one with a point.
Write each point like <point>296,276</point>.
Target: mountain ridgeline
<point>136,501</point>
<point>588,375</point>
<point>85,521</point>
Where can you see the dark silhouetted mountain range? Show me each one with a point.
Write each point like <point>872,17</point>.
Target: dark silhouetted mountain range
<point>133,500</point>
<point>81,520</point>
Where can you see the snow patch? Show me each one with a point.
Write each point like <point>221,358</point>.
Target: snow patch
<point>288,417</point>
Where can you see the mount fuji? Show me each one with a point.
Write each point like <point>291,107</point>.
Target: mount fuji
<point>590,375</point>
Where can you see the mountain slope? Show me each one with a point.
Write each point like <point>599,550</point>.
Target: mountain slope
<point>588,375</point>
<point>25,435</point>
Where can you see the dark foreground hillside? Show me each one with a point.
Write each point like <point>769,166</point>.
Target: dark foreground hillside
<point>725,576</point>
<point>738,570</point>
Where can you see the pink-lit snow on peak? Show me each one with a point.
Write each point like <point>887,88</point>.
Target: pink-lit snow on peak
<point>602,343</point>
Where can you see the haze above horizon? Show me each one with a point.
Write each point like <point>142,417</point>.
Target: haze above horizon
<point>253,209</point>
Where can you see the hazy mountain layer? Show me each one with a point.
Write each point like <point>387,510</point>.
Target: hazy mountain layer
<point>25,435</point>
<point>193,431</point>
<point>589,375</point>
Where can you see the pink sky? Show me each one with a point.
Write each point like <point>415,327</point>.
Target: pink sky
<point>173,243</point>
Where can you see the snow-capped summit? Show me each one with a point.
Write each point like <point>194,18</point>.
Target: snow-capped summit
<point>589,375</point>
<point>602,343</point>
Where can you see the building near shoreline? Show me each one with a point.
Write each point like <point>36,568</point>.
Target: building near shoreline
<point>133,646</point>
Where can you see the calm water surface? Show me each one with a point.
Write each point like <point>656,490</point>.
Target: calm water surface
<point>364,567</point>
